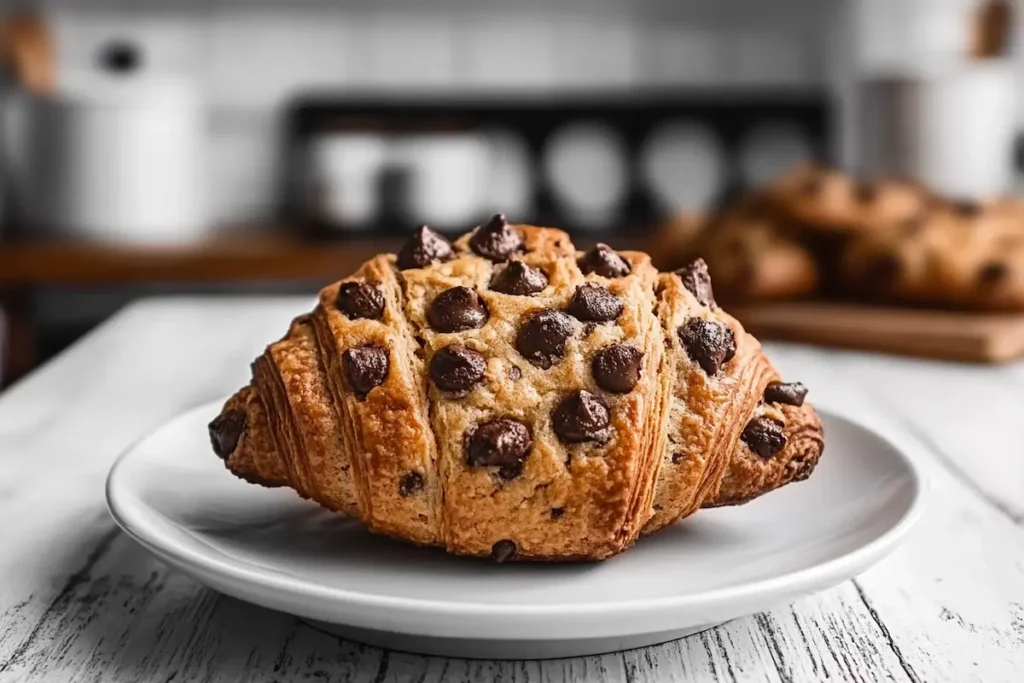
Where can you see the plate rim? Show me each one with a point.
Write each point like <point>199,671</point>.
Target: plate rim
<point>189,559</point>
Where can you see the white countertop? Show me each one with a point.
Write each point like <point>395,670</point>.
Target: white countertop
<point>81,601</point>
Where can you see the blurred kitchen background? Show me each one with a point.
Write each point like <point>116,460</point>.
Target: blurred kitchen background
<point>166,146</point>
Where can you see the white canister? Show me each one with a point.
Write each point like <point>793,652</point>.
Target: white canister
<point>447,177</point>
<point>587,167</point>
<point>951,128</point>
<point>343,178</point>
<point>116,157</point>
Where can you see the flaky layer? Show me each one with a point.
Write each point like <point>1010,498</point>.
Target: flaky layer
<point>414,399</point>
<point>386,432</point>
<point>303,417</point>
<point>706,409</point>
<point>579,500</point>
<point>750,475</point>
<point>254,458</point>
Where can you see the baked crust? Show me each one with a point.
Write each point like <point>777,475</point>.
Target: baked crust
<point>947,258</point>
<point>750,475</point>
<point>386,432</point>
<point>291,379</point>
<point>617,425</point>
<point>823,200</point>
<point>755,254</point>
<point>255,457</point>
<point>597,490</point>
<point>704,410</point>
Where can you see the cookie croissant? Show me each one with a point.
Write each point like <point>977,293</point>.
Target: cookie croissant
<point>508,396</point>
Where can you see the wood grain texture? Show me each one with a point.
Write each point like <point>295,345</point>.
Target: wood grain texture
<point>80,601</point>
<point>946,335</point>
<point>950,598</point>
<point>260,254</point>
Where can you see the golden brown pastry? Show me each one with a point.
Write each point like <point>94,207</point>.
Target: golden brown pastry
<point>508,396</point>
<point>713,376</point>
<point>303,419</point>
<point>756,255</point>
<point>780,444</point>
<point>510,329</point>
<point>240,436</point>
<point>963,255</point>
<point>375,372</point>
<point>826,201</point>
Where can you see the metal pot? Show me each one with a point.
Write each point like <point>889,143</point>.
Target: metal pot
<point>115,154</point>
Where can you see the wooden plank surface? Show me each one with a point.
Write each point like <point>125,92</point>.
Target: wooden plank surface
<point>259,256</point>
<point>270,253</point>
<point>947,335</point>
<point>79,601</point>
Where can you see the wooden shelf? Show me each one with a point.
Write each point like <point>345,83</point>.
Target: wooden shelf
<point>244,257</point>
<point>256,255</point>
<point>261,255</point>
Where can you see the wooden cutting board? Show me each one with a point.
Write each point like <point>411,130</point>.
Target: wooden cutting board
<point>979,337</point>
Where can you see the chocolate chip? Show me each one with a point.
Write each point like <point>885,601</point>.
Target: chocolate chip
<point>496,240</point>
<point>514,373</point>
<point>678,458</point>
<point>457,309</point>
<point>542,338</point>
<point>510,472</point>
<point>360,300</point>
<point>411,483</point>
<point>581,417</point>
<point>913,225</point>
<point>791,393</point>
<point>367,367</point>
<point>503,443</point>
<point>865,192</point>
<point>556,513</point>
<point>993,273</point>
<point>884,271</point>
<point>764,436</point>
<point>456,368</point>
<point>709,344</point>
<point>697,280</point>
<point>593,303</point>
<point>423,248</point>
<point>603,261</point>
<point>966,208</point>
<point>225,431</point>
<point>519,279</point>
<point>811,185</point>
<point>616,368</point>
<point>503,550</point>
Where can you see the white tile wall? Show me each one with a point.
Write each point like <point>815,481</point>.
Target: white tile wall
<point>258,58</point>
<point>506,50</point>
<point>681,55</point>
<point>251,58</point>
<point>174,41</point>
<point>244,151</point>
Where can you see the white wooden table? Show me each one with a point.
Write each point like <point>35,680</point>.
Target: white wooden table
<point>80,601</point>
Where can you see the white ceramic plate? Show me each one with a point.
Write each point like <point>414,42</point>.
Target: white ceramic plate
<point>269,547</point>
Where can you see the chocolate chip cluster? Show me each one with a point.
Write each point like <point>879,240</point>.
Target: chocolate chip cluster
<point>366,367</point>
<point>541,339</point>
<point>763,434</point>
<point>708,343</point>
